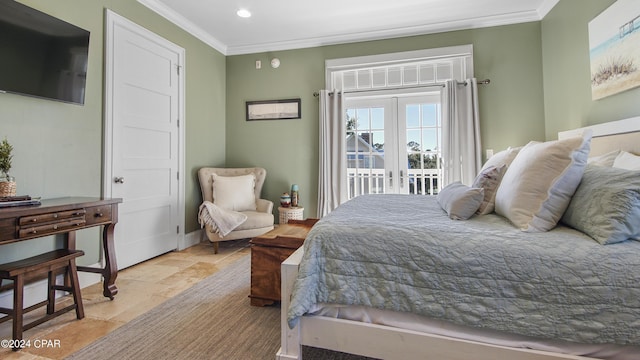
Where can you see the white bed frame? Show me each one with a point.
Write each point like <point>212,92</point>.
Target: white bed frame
<point>387,342</point>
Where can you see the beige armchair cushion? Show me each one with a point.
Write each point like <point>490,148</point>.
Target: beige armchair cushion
<point>235,193</point>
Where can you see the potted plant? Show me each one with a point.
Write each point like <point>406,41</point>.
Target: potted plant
<point>7,182</point>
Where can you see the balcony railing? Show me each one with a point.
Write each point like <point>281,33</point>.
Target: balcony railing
<point>372,181</point>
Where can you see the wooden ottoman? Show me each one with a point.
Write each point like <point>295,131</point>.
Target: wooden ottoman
<point>268,251</point>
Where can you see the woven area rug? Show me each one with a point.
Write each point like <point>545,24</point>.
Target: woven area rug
<point>211,320</point>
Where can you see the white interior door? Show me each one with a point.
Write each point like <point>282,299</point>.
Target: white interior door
<point>143,108</point>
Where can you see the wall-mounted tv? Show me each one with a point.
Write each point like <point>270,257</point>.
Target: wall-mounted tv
<point>41,55</point>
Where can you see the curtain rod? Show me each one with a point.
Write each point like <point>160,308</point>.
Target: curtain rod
<point>480,82</point>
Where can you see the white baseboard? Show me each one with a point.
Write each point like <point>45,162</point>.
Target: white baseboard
<point>191,239</point>
<point>36,292</point>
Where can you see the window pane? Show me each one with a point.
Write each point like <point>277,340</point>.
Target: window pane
<point>413,160</point>
<point>350,120</point>
<point>429,114</point>
<point>413,116</point>
<point>377,142</point>
<point>369,161</point>
<point>377,118</point>
<point>413,140</point>
<point>430,161</point>
<point>362,115</point>
<point>429,139</point>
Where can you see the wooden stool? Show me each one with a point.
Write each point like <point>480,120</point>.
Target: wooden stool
<point>50,263</point>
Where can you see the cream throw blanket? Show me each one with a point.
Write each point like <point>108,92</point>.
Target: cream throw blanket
<point>221,221</point>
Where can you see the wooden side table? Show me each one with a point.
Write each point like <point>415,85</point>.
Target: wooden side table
<point>290,213</point>
<point>268,251</point>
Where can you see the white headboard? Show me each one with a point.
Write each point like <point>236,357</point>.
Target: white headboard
<point>615,135</point>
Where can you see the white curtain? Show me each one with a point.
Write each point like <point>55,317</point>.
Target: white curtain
<point>462,151</point>
<point>332,181</point>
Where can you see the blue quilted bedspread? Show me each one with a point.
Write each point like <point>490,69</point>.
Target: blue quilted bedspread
<point>402,252</point>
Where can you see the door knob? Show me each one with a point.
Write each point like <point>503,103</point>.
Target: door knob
<point>118,180</point>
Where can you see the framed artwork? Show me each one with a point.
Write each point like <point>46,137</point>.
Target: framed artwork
<point>274,109</point>
<point>614,49</point>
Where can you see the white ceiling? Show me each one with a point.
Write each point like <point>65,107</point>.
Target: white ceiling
<point>293,24</point>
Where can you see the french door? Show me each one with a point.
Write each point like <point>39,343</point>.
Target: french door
<point>393,144</point>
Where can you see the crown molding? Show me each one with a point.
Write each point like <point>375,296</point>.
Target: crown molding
<point>465,24</point>
<point>546,7</point>
<point>184,24</point>
<point>472,23</point>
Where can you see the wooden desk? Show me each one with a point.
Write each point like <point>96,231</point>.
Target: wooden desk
<point>65,216</point>
<point>268,251</point>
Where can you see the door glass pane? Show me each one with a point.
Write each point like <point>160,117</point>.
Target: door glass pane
<point>413,116</point>
<point>429,115</point>
<point>362,118</point>
<point>430,139</point>
<point>377,142</point>
<point>413,138</point>
<point>377,118</point>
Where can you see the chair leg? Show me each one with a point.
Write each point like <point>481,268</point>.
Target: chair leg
<point>215,247</point>
<point>75,286</point>
<point>51,293</point>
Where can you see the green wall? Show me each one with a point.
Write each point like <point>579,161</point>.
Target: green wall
<point>511,107</point>
<point>58,147</point>
<point>539,75</point>
<point>540,84</point>
<point>567,86</point>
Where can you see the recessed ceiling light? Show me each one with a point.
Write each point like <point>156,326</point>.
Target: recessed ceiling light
<point>243,13</point>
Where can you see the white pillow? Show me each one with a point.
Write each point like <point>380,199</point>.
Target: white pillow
<point>626,160</point>
<point>604,159</point>
<point>504,157</point>
<point>537,187</point>
<point>235,193</point>
<point>460,201</point>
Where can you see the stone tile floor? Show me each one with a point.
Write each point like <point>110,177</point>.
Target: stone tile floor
<point>140,288</point>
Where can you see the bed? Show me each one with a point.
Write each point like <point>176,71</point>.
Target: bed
<point>414,284</point>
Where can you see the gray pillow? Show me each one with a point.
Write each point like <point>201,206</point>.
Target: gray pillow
<point>489,179</point>
<point>606,205</point>
<point>460,201</point>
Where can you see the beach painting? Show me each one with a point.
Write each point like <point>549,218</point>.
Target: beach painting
<point>614,49</point>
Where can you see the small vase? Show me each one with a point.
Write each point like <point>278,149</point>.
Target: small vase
<point>7,186</point>
<point>285,200</point>
<point>295,197</point>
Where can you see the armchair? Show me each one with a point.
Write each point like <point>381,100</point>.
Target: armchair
<point>258,222</point>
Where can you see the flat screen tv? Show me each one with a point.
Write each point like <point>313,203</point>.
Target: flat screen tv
<point>41,55</point>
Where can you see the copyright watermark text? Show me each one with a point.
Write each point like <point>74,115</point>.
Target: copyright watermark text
<point>30,343</point>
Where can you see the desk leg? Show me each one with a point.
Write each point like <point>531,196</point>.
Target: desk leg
<point>111,268</point>
<point>70,240</point>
